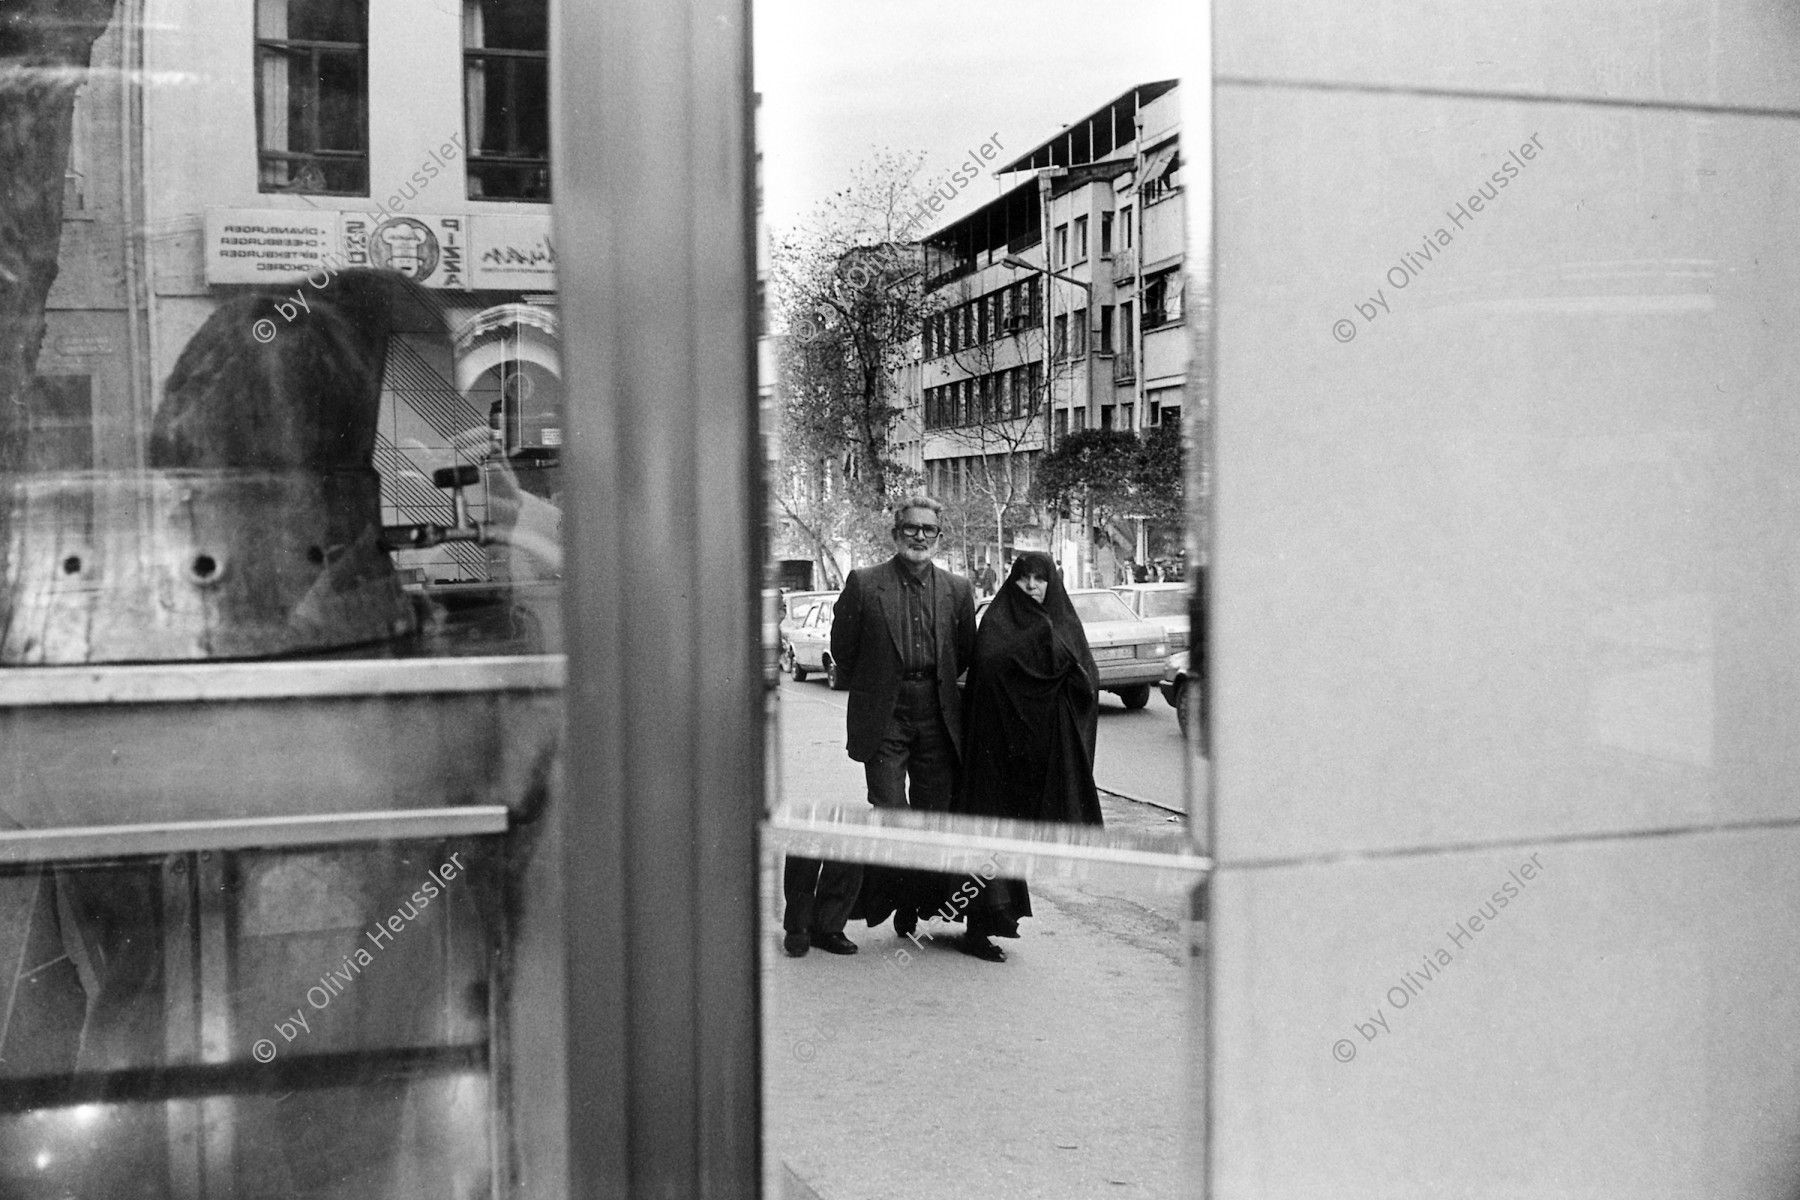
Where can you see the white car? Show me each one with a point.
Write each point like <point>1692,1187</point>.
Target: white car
<point>1164,603</point>
<point>1131,654</point>
<point>809,645</point>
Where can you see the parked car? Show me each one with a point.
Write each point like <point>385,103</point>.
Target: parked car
<point>1181,687</point>
<point>1131,654</point>
<point>1164,603</point>
<point>794,607</point>
<point>809,647</point>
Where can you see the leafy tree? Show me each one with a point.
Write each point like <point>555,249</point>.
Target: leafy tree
<point>1159,493</point>
<point>1090,470</point>
<point>1113,475</point>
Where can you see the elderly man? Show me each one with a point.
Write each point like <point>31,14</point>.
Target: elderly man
<point>901,634</point>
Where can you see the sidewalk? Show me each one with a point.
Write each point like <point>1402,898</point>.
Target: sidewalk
<point>911,1071</point>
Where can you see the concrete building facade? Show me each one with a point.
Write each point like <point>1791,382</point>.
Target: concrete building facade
<point>1059,307</point>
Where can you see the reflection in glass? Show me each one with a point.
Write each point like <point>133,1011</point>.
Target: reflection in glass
<point>255,1023</point>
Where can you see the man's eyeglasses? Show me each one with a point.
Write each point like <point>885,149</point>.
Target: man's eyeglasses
<point>928,532</point>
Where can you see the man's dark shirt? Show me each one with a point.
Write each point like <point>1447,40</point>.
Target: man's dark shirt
<point>919,648</point>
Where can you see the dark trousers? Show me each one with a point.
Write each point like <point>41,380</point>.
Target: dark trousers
<point>915,748</point>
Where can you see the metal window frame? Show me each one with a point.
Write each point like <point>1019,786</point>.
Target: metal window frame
<point>652,1083</point>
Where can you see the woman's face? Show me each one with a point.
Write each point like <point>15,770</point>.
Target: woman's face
<point>1035,586</point>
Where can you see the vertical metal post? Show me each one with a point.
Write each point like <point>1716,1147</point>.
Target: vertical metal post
<point>657,823</point>
<point>218,1114</point>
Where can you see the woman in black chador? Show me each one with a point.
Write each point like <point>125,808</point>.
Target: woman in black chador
<point>1032,707</point>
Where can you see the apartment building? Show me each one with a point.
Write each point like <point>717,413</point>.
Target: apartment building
<point>1059,308</point>
<point>289,140</point>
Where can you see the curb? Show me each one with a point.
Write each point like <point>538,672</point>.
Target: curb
<point>1180,812</point>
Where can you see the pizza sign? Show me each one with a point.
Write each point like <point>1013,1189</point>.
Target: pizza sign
<point>430,251</point>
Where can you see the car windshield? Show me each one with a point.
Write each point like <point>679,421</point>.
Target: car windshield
<point>1100,606</point>
<point>1172,603</point>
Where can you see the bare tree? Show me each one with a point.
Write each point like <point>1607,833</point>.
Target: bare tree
<point>847,290</point>
<point>996,422</point>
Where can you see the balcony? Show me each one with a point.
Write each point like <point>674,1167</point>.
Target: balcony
<point>1124,264</point>
<point>1124,366</point>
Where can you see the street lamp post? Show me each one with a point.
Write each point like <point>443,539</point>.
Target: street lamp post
<point>1021,265</point>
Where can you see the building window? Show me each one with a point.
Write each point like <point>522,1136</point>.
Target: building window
<point>1078,421</point>
<point>1034,294</point>
<point>1153,413</point>
<point>1062,422</point>
<point>1106,220</point>
<point>1081,245</point>
<point>1062,245</point>
<point>1079,331</point>
<point>1059,336</point>
<point>1162,298</point>
<point>1034,390</point>
<point>968,320</point>
<point>1106,329</point>
<point>1106,416</point>
<point>1125,226</point>
<point>312,96</point>
<point>506,76</point>
<point>1126,413</point>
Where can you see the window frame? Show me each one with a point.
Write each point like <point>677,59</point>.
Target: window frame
<point>265,50</point>
<point>512,60</point>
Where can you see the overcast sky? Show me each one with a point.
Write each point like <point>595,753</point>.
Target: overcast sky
<point>841,79</point>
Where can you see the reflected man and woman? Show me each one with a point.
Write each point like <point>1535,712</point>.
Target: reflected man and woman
<point>1017,742</point>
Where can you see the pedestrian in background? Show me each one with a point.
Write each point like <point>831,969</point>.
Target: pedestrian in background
<point>901,634</point>
<point>985,578</point>
<point>1033,712</point>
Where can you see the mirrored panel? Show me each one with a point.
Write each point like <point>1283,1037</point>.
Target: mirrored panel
<point>983,420</point>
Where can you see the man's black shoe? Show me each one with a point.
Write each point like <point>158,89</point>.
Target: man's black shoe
<point>906,922</point>
<point>833,943</point>
<point>796,945</point>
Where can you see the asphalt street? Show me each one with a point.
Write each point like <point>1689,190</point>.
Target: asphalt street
<point>912,1071</point>
<point>1138,754</point>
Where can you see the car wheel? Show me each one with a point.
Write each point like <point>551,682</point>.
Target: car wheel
<point>1181,707</point>
<point>794,667</point>
<point>1135,697</point>
<point>833,680</point>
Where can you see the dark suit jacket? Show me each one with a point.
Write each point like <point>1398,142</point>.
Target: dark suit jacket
<point>867,624</point>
